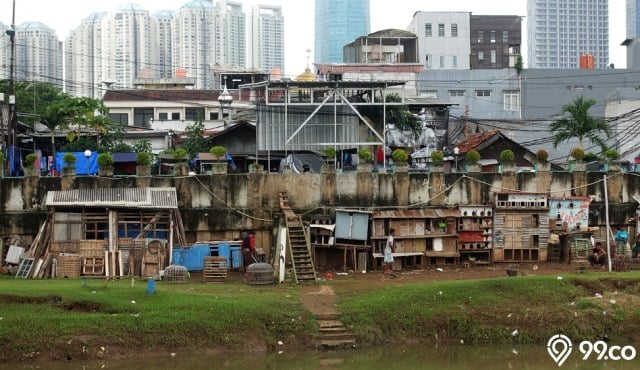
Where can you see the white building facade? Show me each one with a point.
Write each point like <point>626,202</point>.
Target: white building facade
<point>38,54</point>
<point>443,39</point>
<point>266,33</point>
<point>83,66</point>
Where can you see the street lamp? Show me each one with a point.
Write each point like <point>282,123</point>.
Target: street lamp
<point>87,155</point>
<point>456,152</point>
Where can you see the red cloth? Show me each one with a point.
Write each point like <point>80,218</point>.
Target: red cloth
<point>380,154</point>
<point>252,242</point>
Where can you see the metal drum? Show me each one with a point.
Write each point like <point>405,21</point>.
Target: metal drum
<point>259,273</point>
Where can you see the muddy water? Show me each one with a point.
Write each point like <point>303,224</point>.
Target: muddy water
<point>384,358</point>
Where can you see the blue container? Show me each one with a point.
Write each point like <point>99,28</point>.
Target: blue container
<point>191,258</point>
<point>232,253</point>
<point>151,286</point>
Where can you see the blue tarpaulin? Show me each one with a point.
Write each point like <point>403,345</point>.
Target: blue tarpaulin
<point>84,165</point>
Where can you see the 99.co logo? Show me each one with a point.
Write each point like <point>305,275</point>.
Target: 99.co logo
<point>560,346</point>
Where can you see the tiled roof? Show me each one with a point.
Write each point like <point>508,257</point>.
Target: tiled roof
<point>474,140</point>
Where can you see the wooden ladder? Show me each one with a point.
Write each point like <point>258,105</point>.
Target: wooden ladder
<point>298,241</point>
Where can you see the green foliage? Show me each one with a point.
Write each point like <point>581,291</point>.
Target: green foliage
<point>577,123</point>
<point>507,155</point>
<point>195,142</point>
<point>122,148</point>
<point>577,153</point>
<point>69,159</point>
<point>542,155</point>
<point>591,157</point>
<point>365,155</point>
<point>437,156</point>
<point>519,65</point>
<point>2,158</point>
<point>330,152</point>
<point>30,160</point>
<point>143,145</point>
<point>105,160</point>
<point>612,154</point>
<point>396,114</point>
<point>218,151</point>
<point>180,154</point>
<point>472,157</point>
<point>399,156</point>
<point>143,159</point>
<point>81,144</point>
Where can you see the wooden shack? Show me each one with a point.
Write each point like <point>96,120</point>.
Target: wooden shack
<point>112,232</point>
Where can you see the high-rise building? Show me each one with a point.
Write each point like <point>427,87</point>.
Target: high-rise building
<point>337,23</point>
<point>162,41</point>
<point>633,18</point>
<point>194,44</point>
<point>266,33</point>
<point>5,52</point>
<point>561,31</point>
<point>38,55</point>
<point>83,58</point>
<point>231,34</point>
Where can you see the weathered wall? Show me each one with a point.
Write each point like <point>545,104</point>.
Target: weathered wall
<point>219,206</point>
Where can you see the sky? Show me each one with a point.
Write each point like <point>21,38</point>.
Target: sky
<point>64,16</point>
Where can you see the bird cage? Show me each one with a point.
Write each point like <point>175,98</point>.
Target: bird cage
<point>176,274</point>
<point>259,273</point>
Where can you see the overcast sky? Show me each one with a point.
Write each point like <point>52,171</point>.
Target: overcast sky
<point>63,16</point>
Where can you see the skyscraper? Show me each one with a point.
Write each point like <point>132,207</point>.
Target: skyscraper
<point>83,58</point>
<point>266,50</point>
<point>38,53</point>
<point>339,22</point>
<point>560,31</point>
<point>633,18</point>
<point>231,34</point>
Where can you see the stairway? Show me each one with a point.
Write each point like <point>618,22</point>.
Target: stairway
<point>299,247</point>
<point>333,334</point>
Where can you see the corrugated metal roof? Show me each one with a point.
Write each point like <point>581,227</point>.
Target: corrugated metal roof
<point>418,213</point>
<point>156,198</point>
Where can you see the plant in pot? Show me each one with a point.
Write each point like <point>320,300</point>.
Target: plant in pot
<point>365,157</point>
<point>143,161</point>
<point>220,160</point>
<point>472,158</point>
<point>437,160</point>
<point>400,159</point>
<point>105,164</point>
<point>542,157</point>
<point>612,157</point>
<point>29,164</point>
<point>506,158</point>
<point>69,168</point>
<point>330,153</point>
<point>181,166</point>
<point>578,155</point>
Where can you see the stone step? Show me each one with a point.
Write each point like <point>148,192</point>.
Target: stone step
<point>336,344</point>
<point>327,316</point>
<point>333,330</point>
<point>335,336</point>
<point>329,323</point>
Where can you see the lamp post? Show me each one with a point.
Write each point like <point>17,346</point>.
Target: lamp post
<point>456,152</point>
<point>87,155</point>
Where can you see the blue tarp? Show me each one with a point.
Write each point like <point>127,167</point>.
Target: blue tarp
<point>84,165</point>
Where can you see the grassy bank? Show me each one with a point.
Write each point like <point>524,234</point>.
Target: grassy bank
<point>64,318</point>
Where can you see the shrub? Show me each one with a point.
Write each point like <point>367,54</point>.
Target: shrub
<point>69,159</point>
<point>30,160</point>
<point>105,160</point>
<point>2,157</point>
<point>542,155</point>
<point>472,157</point>
<point>437,156</point>
<point>399,156</point>
<point>612,154</point>
<point>330,152</point>
<point>577,153</point>
<point>507,155</point>
<point>218,151</point>
<point>143,159</point>
<point>365,155</point>
<point>180,154</point>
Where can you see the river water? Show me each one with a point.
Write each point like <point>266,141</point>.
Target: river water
<point>398,356</point>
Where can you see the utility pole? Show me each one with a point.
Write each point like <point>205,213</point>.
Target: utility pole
<point>12,90</point>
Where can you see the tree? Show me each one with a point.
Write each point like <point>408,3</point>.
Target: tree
<point>195,142</point>
<point>396,114</point>
<point>577,123</point>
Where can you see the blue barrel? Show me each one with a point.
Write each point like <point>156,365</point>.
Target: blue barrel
<point>151,286</point>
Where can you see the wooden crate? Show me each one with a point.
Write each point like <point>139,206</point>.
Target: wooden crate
<point>64,246</point>
<point>215,269</point>
<point>68,266</point>
<point>91,248</point>
<point>93,266</point>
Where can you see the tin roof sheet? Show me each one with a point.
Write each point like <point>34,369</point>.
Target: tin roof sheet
<point>155,198</point>
<point>418,213</point>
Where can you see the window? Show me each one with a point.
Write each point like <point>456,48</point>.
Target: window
<point>480,55</point>
<point>142,116</point>
<point>483,93</point>
<point>192,114</point>
<point>441,61</point>
<point>175,116</point>
<point>493,57</point>
<point>480,37</point>
<point>163,116</point>
<point>454,93</point>
<point>454,30</point>
<point>511,100</point>
<point>429,58</point>
<point>427,30</point>
<point>493,36</point>
<point>455,61</point>
<point>505,36</point>
<point>441,30</point>
<point>121,118</point>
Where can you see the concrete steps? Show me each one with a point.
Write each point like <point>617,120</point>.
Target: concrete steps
<point>333,335</point>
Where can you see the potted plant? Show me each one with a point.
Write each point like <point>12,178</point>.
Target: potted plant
<point>181,166</point>
<point>29,164</point>
<point>105,165</point>
<point>329,164</point>
<point>256,167</point>
<point>507,158</point>
<point>400,159</point>
<point>578,155</point>
<point>542,157</point>
<point>219,154</point>
<point>612,157</point>
<point>365,157</point>
<point>69,168</point>
<point>437,160</point>
<point>472,158</point>
<point>143,161</point>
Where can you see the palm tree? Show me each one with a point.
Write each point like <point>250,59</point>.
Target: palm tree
<point>577,123</point>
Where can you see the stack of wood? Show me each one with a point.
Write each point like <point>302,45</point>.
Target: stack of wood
<point>215,269</point>
<point>36,262</point>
